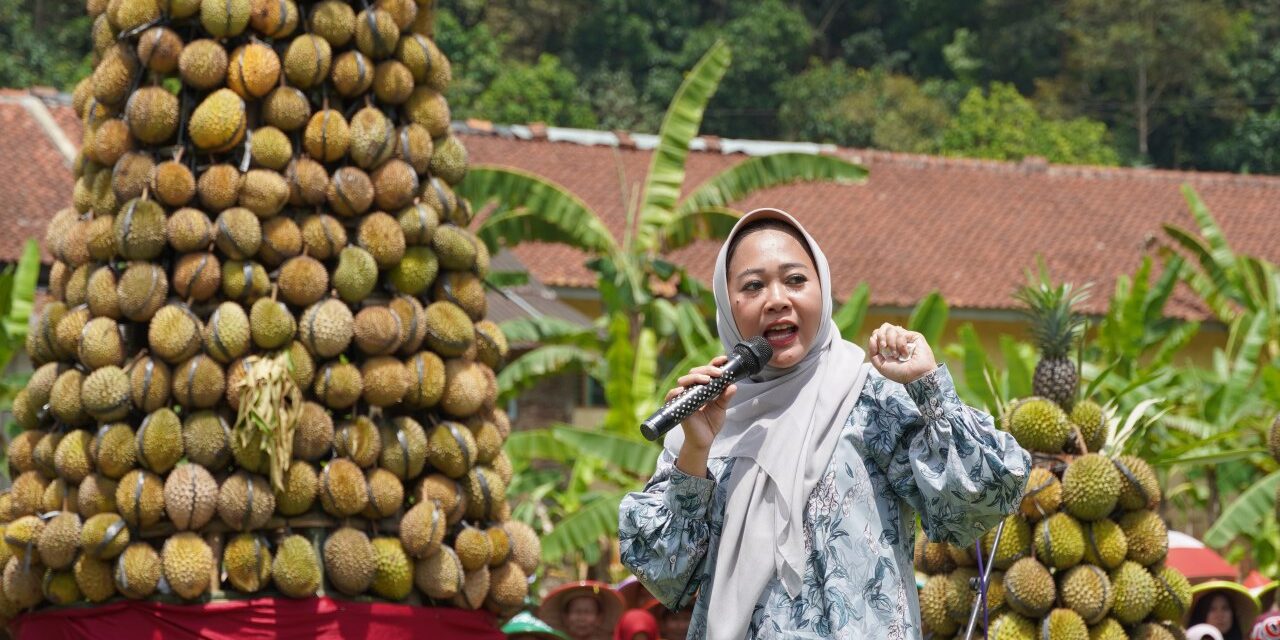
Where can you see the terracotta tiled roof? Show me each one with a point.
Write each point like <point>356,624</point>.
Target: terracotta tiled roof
<point>968,228</point>
<point>35,176</point>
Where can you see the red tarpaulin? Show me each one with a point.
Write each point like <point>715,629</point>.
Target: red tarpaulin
<point>258,619</point>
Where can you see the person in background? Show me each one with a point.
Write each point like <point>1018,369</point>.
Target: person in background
<point>1227,606</point>
<point>1266,597</point>
<point>525,626</point>
<point>636,624</point>
<point>586,610</point>
<point>675,624</point>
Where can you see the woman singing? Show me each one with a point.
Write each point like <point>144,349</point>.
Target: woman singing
<point>788,504</point>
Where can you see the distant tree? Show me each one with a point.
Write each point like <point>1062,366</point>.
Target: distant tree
<point>44,43</point>
<point>861,108</point>
<point>1003,125</point>
<point>543,92</point>
<point>1253,146</point>
<point>476,56</point>
<point>771,40</point>
<point>618,104</point>
<point>1150,56</point>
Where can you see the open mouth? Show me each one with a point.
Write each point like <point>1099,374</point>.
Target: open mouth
<point>781,334</point>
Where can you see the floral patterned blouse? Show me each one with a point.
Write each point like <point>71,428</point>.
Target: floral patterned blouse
<point>905,450</point>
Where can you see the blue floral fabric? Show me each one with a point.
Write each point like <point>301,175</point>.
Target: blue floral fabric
<point>905,450</point>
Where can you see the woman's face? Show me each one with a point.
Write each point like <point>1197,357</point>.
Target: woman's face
<point>1220,614</point>
<point>582,617</point>
<point>775,292</point>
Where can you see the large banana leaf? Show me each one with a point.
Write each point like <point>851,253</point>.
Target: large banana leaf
<point>582,530</point>
<point>532,208</point>
<point>680,125</point>
<point>19,298</point>
<point>628,453</point>
<point>1223,257</point>
<point>762,172</point>
<point>548,330</point>
<point>529,369</point>
<point>850,316</point>
<point>707,223</point>
<point>1246,513</point>
<point>644,374</point>
<point>930,317</point>
<point>526,445</point>
<point>620,360</point>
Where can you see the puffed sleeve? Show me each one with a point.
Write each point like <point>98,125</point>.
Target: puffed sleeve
<point>665,530</point>
<point>947,460</point>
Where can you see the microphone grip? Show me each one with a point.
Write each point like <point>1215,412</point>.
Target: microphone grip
<point>683,406</point>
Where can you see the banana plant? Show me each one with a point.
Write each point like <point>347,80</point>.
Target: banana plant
<point>17,298</point>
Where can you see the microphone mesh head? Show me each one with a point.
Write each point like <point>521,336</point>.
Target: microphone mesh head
<point>756,353</point>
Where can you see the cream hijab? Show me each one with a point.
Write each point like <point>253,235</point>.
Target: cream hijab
<point>783,426</point>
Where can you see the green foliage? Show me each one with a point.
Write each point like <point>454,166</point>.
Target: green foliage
<point>1003,125</point>
<point>861,108</point>
<point>476,57</point>
<point>542,92</point>
<point>43,43</point>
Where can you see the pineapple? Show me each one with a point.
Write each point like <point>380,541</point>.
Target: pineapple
<point>1055,326</point>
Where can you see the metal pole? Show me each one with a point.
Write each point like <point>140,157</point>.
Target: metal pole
<point>980,601</point>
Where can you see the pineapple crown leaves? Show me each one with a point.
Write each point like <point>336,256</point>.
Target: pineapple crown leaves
<point>1055,324</point>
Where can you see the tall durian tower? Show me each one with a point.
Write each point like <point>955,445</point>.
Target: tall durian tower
<point>265,366</point>
<point>1083,558</point>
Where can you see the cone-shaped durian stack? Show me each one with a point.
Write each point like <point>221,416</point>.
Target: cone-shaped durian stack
<point>1083,558</point>
<point>266,365</point>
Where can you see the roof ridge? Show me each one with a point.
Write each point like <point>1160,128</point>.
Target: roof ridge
<point>538,132</point>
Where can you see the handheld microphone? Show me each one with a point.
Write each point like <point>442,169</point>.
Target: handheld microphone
<point>747,359</point>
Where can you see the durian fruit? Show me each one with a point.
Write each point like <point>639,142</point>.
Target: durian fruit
<point>446,492</point>
<point>1139,488</point>
<point>219,122</point>
<point>22,583</point>
<point>96,494</point>
<point>1105,544</point>
<point>138,571</point>
<point>188,564</point>
<point>393,578</point>
<point>350,561</point>
<point>450,331</point>
<point>227,334</point>
<point>174,185</point>
<point>486,494</point>
<point>1038,424</point>
<point>385,381</point>
<point>60,587</point>
<point>1015,542</point>
<point>72,459</point>
<point>247,562</point>
<point>343,492</point>
<point>303,281</point>
<point>159,441</point>
<point>94,579</point>
<point>1029,588</point>
<point>475,585</point>
<point>473,547</point>
<point>1090,487</point>
<point>190,497</point>
<point>338,384</point>
<point>1086,589</point>
<point>322,236</point>
<point>422,529</point>
<point>149,383</point>
<point>314,432</point>
<point>140,498</point>
<point>271,324</point>
<point>104,536</point>
<point>1135,593</point>
<point>1043,495</point>
<point>508,587</point>
<point>404,447</point>
<point>1147,536</point>
<point>426,380</point>
<point>59,540</point>
<point>440,575</point>
<point>386,494</point>
<point>415,272</point>
<point>492,350</point>
<point>452,449</point>
<point>1091,422</point>
<point>1064,624</point>
<point>205,437</point>
<point>296,570</point>
<point>360,441</point>
<point>245,501</point>
<point>1173,594</point>
<point>1059,541</point>
<point>326,328</point>
<point>301,483</point>
<point>281,241</point>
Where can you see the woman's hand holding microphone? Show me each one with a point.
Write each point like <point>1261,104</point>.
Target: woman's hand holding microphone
<point>701,427</point>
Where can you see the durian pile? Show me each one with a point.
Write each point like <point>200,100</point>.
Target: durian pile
<point>1083,557</point>
<point>266,366</point>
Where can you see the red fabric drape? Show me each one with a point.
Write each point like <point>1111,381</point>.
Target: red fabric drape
<point>258,619</point>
